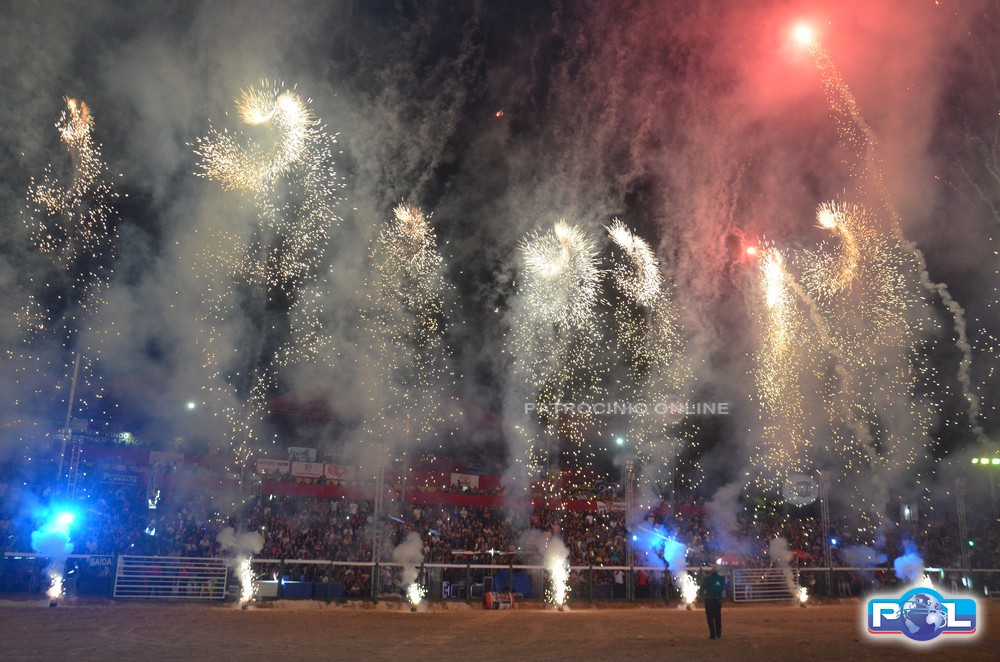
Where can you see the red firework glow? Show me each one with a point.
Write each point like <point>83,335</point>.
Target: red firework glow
<point>804,34</point>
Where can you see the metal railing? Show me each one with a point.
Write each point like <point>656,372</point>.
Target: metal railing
<point>170,577</point>
<point>282,578</point>
<point>764,584</point>
<point>193,578</point>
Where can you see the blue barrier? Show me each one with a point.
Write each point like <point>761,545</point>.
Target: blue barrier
<point>296,590</point>
<point>521,585</point>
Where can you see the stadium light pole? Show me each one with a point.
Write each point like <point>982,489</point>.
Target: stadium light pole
<point>629,507</point>
<point>378,505</point>
<point>963,527</point>
<point>65,432</point>
<point>824,495</point>
<point>992,465</point>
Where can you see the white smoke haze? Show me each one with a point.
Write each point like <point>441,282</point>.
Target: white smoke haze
<point>861,556</point>
<point>550,551</point>
<point>240,544</point>
<point>781,557</point>
<point>695,123</point>
<point>910,566</point>
<point>721,519</point>
<point>409,554</point>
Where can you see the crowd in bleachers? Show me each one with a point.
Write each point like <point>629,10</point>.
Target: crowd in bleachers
<point>187,521</point>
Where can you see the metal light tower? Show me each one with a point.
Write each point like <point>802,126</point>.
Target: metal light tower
<point>963,528</point>
<point>630,502</point>
<point>67,435</point>
<point>824,495</point>
<point>379,498</point>
<point>629,513</point>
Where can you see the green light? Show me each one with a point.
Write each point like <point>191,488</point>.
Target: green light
<point>972,543</point>
<point>996,460</point>
<point>975,460</point>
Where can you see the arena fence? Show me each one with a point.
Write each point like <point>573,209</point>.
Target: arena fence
<point>182,578</point>
<point>763,584</point>
<point>304,578</point>
<point>170,577</point>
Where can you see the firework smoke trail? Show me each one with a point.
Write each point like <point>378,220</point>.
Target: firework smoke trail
<point>277,259</point>
<point>651,346</point>
<point>405,320</point>
<point>781,557</point>
<point>554,340</point>
<point>961,341</point>
<point>859,137</point>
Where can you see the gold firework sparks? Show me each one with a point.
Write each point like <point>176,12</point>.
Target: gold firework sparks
<point>659,376</point>
<point>405,321</point>
<point>278,258</point>
<point>638,277</point>
<point>781,361</point>
<point>555,341</point>
<point>240,162</point>
<point>74,225</point>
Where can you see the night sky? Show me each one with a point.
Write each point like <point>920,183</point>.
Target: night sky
<point>703,126</point>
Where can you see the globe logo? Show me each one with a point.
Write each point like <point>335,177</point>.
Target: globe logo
<point>923,617</point>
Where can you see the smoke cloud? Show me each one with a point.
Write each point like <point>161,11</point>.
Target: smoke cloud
<point>698,124</point>
<point>246,543</point>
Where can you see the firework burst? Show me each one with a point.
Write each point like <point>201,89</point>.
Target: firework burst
<point>270,272</point>
<point>651,347</point>
<point>787,341</point>
<point>847,334</point>
<point>241,162</point>
<point>638,276</point>
<point>562,275</point>
<point>405,320</point>
<point>554,340</point>
<point>73,225</point>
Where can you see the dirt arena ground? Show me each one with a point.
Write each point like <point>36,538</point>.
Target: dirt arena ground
<point>315,631</point>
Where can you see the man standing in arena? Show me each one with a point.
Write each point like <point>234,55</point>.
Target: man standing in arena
<point>713,586</point>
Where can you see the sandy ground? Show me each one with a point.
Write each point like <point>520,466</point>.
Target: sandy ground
<point>315,631</point>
